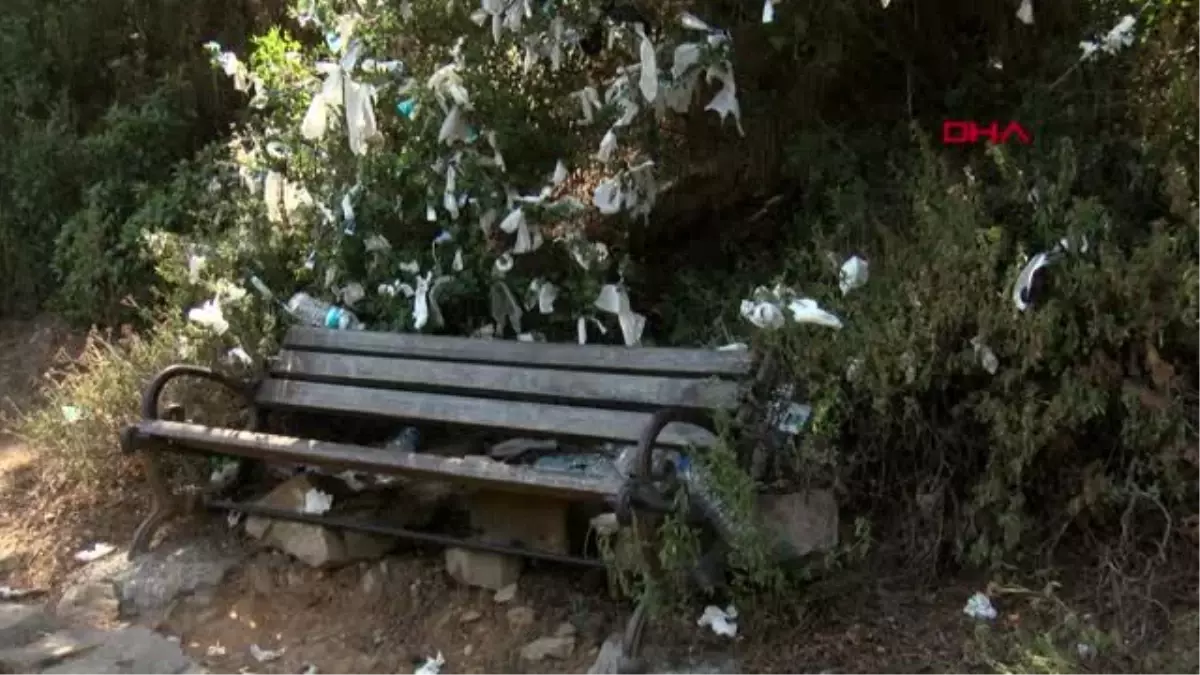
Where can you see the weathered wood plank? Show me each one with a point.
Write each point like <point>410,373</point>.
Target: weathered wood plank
<point>490,380</point>
<point>659,360</point>
<point>537,418</point>
<point>466,470</point>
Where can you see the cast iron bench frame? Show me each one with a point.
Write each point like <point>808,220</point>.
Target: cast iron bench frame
<point>654,397</point>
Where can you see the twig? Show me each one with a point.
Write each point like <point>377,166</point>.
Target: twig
<point>1075,66</point>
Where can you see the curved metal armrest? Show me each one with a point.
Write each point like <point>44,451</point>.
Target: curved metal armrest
<point>643,464</point>
<point>638,491</point>
<point>154,390</point>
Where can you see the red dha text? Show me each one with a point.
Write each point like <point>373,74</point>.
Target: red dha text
<point>959,132</point>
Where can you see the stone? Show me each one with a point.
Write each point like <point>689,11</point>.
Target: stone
<point>129,650</point>
<point>288,495</point>
<point>314,545</point>
<point>261,578</point>
<point>152,582</point>
<point>193,569</point>
<point>470,616</point>
<point>484,569</point>
<point>22,624</point>
<point>521,617</point>
<point>407,503</point>
<point>804,522</point>
<point>548,648</point>
<point>608,661</point>
<point>90,602</point>
<point>506,594</point>
<point>503,517</point>
<point>375,579</point>
<point>48,650</point>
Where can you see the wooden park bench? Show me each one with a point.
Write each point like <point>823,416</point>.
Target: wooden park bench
<point>648,397</point>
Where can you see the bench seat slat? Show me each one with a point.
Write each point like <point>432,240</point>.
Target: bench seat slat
<point>537,418</point>
<point>660,360</point>
<point>492,380</point>
<point>478,472</point>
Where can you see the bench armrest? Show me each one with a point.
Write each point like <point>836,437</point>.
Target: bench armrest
<point>638,491</point>
<point>154,389</point>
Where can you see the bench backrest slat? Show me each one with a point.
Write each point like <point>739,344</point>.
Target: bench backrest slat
<point>526,417</point>
<point>510,382</point>
<point>595,392</point>
<point>608,358</point>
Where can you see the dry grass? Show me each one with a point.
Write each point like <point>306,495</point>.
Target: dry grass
<point>86,402</point>
<point>63,482</point>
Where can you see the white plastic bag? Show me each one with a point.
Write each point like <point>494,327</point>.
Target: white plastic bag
<point>980,607</point>
<point>722,621</point>
<point>615,300</point>
<point>854,274</point>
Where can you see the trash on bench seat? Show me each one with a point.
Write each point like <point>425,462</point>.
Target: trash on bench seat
<point>607,421</point>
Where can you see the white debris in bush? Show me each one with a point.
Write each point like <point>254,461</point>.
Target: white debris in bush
<point>1025,12</point>
<point>432,666</point>
<point>265,655</point>
<point>980,607</point>
<point>987,358</point>
<point>210,316</point>
<point>96,552</point>
<point>72,414</point>
<point>239,355</point>
<point>722,621</point>
<point>615,300</point>
<point>854,274</point>
<point>765,308</point>
<point>351,83</point>
<point>1119,37</point>
<point>317,502</point>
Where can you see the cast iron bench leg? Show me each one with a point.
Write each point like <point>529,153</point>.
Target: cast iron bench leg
<point>162,508</point>
<point>641,475</point>
<point>164,503</point>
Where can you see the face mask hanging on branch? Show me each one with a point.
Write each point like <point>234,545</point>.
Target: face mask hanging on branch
<point>340,91</point>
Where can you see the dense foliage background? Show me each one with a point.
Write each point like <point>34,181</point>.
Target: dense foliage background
<point>129,158</point>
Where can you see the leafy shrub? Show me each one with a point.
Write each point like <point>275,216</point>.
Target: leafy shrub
<point>1088,417</point>
<point>97,253</point>
<point>1080,427</point>
<point>101,99</point>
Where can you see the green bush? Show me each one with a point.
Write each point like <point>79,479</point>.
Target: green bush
<point>1079,429</point>
<point>40,183</point>
<point>97,254</point>
<point>1082,430</point>
<point>101,99</point>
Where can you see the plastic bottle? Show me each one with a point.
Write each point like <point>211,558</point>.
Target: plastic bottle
<point>407,440</point>
<point>700,492</point>
<point>315,312</point>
